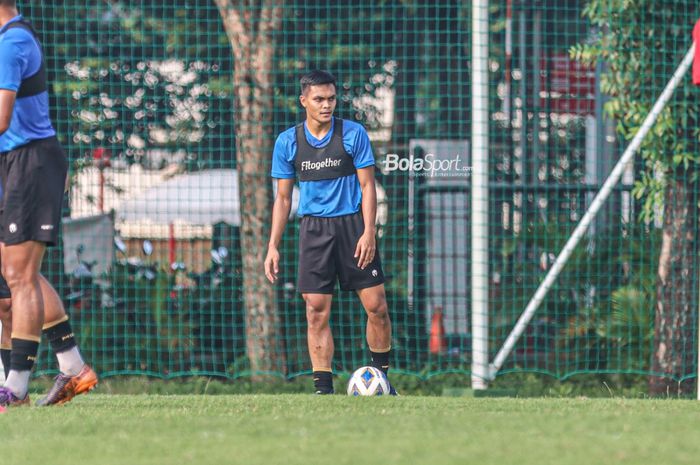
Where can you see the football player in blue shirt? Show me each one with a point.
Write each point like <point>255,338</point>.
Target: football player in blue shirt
<point>33,169</point>
<point>333,161</point>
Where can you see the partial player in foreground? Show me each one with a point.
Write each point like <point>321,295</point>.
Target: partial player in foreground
<point>334,163</point>
<point>33,172</point>
<point>6,321</point>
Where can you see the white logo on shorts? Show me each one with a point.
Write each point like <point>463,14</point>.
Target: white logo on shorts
<point>374,273</point>
<point>13,228</point>
<point>46,227</point>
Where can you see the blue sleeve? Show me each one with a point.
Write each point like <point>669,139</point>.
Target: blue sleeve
<point>11,62</point>
<point>283,158</point>
<point>362,149</point>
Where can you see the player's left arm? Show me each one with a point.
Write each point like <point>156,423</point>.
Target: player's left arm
<point>367,245</point>
<point>7,105</point>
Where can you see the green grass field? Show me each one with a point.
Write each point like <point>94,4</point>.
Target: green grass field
<point>306,429</point>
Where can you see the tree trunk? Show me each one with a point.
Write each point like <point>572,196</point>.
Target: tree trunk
<point>675,302</point>
<point>250,31</point>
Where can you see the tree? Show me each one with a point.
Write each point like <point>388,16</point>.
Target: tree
<point>118,68</point>
<point>144,77</point>
<point>136,80</point>
<point>251,33</point>
<point>642,42</point>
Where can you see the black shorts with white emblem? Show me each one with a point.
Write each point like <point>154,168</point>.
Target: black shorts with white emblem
<point>326,253</point>
<point>33,180</point>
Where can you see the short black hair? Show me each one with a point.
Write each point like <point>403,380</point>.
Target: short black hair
<point>10,3</point>
<point>316,77</point>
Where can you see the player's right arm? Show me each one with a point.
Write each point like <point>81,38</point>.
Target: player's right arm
<point>283,171</point>
<point>280,214</point>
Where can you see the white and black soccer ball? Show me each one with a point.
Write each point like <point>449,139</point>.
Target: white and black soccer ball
<point>368,381</point>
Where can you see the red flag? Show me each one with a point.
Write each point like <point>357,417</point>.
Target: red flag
<point>696,61</point>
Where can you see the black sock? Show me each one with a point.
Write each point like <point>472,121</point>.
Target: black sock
<point>23,354</point>
<point>5,357</point>
<point>380,360</point>
<point>323,382</point>
<point>60,336</point>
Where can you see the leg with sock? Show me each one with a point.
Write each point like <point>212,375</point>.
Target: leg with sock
<point>20,268</point>
<point>378,327</point>
<point>320,340</point>
<point>24,351</point>
<point>76,376</point>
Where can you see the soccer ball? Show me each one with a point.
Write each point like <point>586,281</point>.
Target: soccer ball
<point>368,381</point>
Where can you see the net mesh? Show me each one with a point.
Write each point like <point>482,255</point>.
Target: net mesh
<point>187,121</point>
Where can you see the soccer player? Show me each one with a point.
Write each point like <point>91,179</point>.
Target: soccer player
<point>334,163</point>
<point>33,171</point>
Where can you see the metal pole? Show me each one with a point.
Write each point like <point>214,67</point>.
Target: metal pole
<point>411,239</point>
<point>510,149</point>
<point>596,205</point>
<point>509,61</point>
<point>536,69</point>
<point>480,194</point>
<point>524,159</point>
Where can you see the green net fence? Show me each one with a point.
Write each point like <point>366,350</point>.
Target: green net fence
<point>169,112</point>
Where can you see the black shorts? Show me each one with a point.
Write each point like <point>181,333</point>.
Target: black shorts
<point>33,180</point>
<point>326,249</point>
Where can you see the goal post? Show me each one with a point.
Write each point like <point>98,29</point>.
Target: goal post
<point>480,194</point>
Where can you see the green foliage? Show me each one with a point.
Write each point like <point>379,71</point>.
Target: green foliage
<point>145,77</point>
<point>135,79</point>
<point>641,42</point>
<point>598,314</point>
<point>632,317</point>
<point>141,78</point>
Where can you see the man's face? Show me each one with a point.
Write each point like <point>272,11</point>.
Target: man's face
<point>319,102</point>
